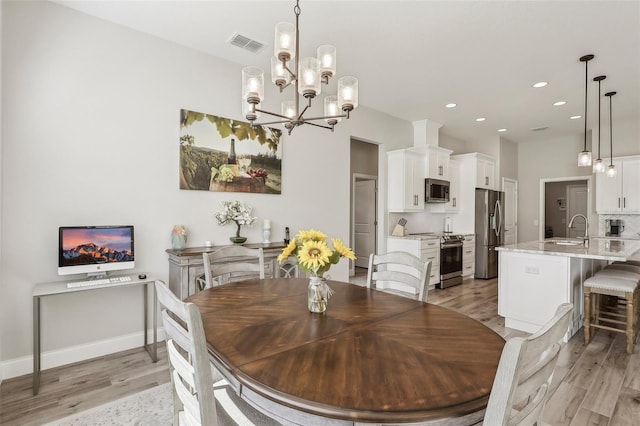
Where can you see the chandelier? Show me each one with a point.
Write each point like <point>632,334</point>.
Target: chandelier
<point>306,75</point>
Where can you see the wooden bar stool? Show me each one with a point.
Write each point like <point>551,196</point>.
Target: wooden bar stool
<point>622,317</point>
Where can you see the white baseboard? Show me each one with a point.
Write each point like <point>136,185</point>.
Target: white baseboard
<point>24,365</point>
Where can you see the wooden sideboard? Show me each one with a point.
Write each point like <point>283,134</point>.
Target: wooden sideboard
<point>187,266</point>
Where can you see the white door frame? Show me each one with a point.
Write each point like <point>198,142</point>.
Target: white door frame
<point>515,213</point>
<point>541,202</point>
<point>354,178</point>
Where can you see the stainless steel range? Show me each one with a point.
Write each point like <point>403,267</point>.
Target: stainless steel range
<point>450,259</point>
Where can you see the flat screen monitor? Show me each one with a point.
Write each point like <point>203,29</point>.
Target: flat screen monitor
<point>95,250</point>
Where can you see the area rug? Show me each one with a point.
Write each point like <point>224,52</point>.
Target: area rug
<point>154,407</point>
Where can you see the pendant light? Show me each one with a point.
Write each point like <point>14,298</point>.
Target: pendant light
<point>584,158</point>
<point>611,170</point>
<point>598,165</point>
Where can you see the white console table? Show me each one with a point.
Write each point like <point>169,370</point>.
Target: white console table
<point>60,287</point>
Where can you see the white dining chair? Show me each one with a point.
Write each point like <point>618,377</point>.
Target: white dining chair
<point>521,386</point>
<point>402,268</point>
<point>232,263</point>
<point>191,376</point>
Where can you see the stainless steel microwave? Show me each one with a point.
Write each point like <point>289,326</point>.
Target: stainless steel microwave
<point>436,191</point>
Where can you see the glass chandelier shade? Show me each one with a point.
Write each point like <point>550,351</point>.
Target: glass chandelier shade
<point>307,76</point>
<point>584,157</point>
<point>327,58</point>
<point>289,109</point>
<point>250,112</point>
<point>252,85</point>
<point>611,171</point>
<point>331,109</point>
<point>347,93</point>
<point>279,76</point>
<point>285,41</point>
<point>309,84</point>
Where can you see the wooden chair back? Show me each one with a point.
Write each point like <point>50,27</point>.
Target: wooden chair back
<point>233,263</point>
<point>521,386</point>
<point>400,267</point>
<point>191,376</point>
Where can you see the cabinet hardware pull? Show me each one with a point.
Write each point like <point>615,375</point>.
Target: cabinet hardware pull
<point>618,202</point>
<point>454,201</point>
<point>486,180</point>
<point>624,202</point>
<point>440,170</point>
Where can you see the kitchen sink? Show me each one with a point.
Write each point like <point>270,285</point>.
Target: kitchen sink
<point>565,242</point>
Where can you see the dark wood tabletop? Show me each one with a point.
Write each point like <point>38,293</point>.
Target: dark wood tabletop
<point>371,357</point>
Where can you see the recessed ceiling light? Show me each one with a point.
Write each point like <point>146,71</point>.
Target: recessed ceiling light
<point>575,117</point>
<point>559,103</point>
<point>480,119</point>
<point>540,84</point>
<point>451,105</point>
<point>502,130</point>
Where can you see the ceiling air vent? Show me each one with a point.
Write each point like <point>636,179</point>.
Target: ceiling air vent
<point>246,43</point>
<point>539,129</point>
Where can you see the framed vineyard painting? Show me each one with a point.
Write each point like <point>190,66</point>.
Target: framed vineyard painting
<point>226,155</point>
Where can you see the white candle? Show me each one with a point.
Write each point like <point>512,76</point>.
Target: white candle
<point>267,224</point>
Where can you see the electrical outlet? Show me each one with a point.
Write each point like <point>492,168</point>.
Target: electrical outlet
<point>532,270</point>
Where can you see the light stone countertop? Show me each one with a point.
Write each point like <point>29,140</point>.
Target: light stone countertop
<point>416,237</point>
<point>599,248</point>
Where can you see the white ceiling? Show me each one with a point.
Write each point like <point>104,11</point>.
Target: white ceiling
<point>413,57</point>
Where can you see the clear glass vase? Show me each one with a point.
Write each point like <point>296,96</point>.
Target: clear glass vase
<point>318,294</point>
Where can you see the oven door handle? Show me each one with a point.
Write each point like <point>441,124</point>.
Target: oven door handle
<point>450,245</point>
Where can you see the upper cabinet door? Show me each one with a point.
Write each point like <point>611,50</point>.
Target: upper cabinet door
<point>619,194</point>
<point>406,181</point>
<point>631,185</point>
<point>438,163</point>
<point>485,173</point>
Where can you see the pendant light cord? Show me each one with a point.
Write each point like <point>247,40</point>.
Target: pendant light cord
<point>611,127</point>
<point>586,79</point>
<point>599,80</point>
<point>599,98</point>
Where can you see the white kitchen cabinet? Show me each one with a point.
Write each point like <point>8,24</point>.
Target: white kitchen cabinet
<point>481,167</point>
<point>453,206</point>
<point>620,194</point>
<point>469,256</point>
<point>406,181</point>
<point>427,249</point>
<point>438,162</point>
<point>485,173</point>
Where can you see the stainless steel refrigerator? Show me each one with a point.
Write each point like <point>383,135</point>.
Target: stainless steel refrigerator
<point>489,231</point>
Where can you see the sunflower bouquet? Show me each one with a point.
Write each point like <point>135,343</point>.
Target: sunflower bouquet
<point>315,257</point>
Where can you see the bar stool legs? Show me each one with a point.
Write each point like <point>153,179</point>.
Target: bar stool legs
<point>621,316</point>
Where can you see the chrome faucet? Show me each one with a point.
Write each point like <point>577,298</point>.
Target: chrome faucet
<point>585,239</point>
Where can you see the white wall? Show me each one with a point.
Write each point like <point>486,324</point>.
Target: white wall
<point>91,137</point>
<point>508,160</point>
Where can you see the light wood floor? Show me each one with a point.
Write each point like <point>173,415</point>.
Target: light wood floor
<point>594,385</point>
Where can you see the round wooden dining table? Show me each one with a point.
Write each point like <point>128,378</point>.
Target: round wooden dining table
<point>372,357</point>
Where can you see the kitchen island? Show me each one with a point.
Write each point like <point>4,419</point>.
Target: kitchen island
<point>537,276</point>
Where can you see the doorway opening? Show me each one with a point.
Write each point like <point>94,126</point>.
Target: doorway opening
<point>364,204</point>
<point>560,200</point>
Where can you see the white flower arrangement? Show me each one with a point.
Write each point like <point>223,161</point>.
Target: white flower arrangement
<point>237,212</point>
